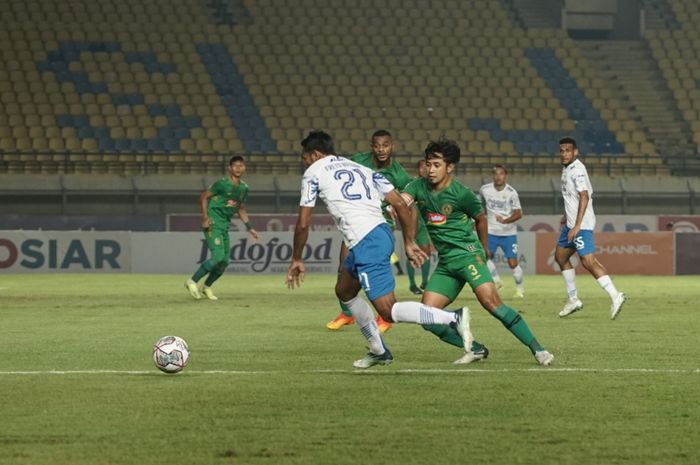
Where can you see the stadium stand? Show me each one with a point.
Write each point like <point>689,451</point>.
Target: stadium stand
<point>127,86</point>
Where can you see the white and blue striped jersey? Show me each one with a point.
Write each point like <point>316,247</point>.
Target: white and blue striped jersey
<point>574,180</point>
<point>352,193</point>
<point>500,203</point>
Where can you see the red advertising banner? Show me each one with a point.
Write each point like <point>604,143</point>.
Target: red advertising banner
<point>679,223</point>
<point>620,253</point>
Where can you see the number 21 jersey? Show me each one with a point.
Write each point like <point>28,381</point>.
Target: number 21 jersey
<point>352,193</point>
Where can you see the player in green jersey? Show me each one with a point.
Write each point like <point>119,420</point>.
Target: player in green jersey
<point>218,204</point>
<point>379,159</point>
<point>452,212</point>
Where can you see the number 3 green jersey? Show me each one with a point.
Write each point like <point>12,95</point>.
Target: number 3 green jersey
<point>226,198</point>
<point>448,216</point>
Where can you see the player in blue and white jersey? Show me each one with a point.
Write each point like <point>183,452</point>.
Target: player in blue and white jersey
<point>353,195</point>
<point>502,211</point>
<point>577,231</point>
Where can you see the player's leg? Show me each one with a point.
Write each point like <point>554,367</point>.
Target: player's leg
<point>562,255</point>
<point>347,289</point>
<point>220,257</point>
<point>476,273</point>
<point>510,249</point>
<point>345,316</point>
<point>598,271</point>
<point>441,291</point>
<point>494,244</point>
<point>214,243</point>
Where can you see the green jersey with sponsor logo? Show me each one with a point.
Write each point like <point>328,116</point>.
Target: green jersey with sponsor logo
<point>448,216</point>
<point>397,176</point>
<point>226,198</point>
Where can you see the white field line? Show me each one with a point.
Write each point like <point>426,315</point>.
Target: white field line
<point>380,371</point>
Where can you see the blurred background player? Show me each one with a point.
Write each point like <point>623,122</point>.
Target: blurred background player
<point>218,204</point>
<point>423,241</point>
<point>354,195</point>
<point>502,211</point>
<point>452,213</point>
<point>380,160</point>
<point>577,231</point>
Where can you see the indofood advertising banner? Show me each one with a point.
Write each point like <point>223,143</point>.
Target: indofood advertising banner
<point>620,253</point>
<point>60,251</point>
<point>173,252</point>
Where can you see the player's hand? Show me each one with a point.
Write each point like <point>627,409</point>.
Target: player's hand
<point>295,274</point>
<point>415,255</point>
<point>254,234</point>
<point>500,219</point>
<point>487,254</point>
<point>572,233</point>
<point>562,221</point>
<point>206,222</point>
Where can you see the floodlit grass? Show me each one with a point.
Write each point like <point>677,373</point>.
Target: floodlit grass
<point>620,392</point>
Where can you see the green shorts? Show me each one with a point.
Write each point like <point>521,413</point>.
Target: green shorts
<point>451,275</point>
<point>422,236</point>
<point>219,244</point>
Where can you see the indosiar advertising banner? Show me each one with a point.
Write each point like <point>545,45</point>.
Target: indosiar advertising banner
<point>64,251</point>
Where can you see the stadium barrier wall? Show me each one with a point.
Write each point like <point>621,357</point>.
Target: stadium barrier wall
<point>658,253</point>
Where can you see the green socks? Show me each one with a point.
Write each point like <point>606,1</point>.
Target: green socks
<point>202,271</point>
<point>425,272</point>
<point>450,335</point>
<point>517,326</point>
<point>411,274</point>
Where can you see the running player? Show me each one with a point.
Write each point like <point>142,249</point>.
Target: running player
<point>577,231</point>
<point>502,211</point>
<point>452,212</point>
<point>218,204</point>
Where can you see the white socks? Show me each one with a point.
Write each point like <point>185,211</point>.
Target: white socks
<point>364,317</point>
<point>493,270</point>
<point>607,285</point>
<point>518,276</point>
<point>415,312</point>
<point>570,281</point>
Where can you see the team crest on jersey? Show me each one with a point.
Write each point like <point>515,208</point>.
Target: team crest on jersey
<point>446,209</point>
<point>217,241</point>
<point>230,203</point>
<point>435,218</point>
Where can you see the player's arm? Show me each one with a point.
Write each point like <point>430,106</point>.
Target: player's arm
<point>204,207</point>
<point>517,210</point>
<point>296,271</point>
<point>515,216</point>
<point>481,224</point>
<point>471,204</point>
<point>405,210</point>
<point>583,199</point>
<point>243,215</point>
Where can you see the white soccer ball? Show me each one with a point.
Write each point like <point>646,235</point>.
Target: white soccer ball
<point>170,354</point>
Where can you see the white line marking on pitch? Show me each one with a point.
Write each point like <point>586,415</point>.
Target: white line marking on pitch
<point>426,371</point>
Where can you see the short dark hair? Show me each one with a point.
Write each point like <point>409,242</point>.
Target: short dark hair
<point>568,140</point>
<point>381,133</point>
<point>318,140</point>
<point>448,148</point>
<point>236,158</point>
<point>500,166</point>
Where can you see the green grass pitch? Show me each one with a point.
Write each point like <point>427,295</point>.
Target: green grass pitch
<point>268,384</point>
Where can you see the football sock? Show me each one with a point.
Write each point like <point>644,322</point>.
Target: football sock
<point>570,282</point>
<point>215,274</point>
<point>607,284</point>
<point>494,272</point>
<point>203,269</point>
<point>364,318</point>
<point>517,326</point>
<point>411,272</point>
<point>450,335</point>
<point>415,312</point>
<point>518,276</point>
<point>425,272</point>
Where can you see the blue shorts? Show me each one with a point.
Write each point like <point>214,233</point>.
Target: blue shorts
<point>508,244</point>
<point>583,241</point>
<point>369,262</point>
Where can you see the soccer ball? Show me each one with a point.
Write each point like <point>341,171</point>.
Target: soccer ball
<point>170,354</point>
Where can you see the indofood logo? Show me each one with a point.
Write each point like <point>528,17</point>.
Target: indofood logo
<point>261,256</point>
